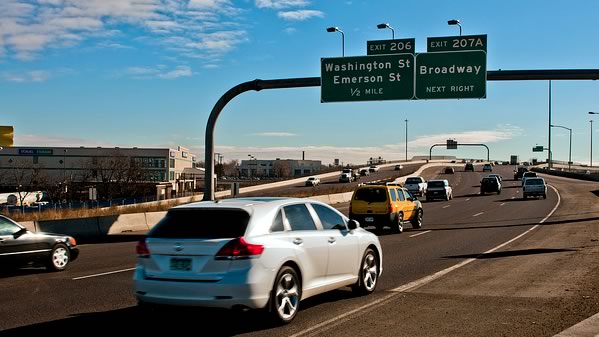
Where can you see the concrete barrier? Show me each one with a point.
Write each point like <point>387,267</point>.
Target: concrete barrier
<point>30,225</point>
<point>78,228</point>
<point>118,224</point>
<point>152,218</point>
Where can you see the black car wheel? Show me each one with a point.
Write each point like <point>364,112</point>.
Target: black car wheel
<point>397,225</point>
<point>285,296</point>
<point>59,258</point>
<point>417,222</point>
<point>369,273</point>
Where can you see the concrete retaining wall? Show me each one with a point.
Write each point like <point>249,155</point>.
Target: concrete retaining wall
<point>580,176</point>
<point>141,222</point>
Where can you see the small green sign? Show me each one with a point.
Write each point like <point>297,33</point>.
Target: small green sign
<point>367,78</point>
<point>460,74</point>
<point>452,144</point>
<point>382,47</point>
<point>537,148</point>
<point>455,43</point>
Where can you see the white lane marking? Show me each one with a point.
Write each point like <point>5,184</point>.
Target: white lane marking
<point>335,321</point>
<point>503,203</point>
<point>427,279</point>
<point>102,274</point>
<point>513,197</point>
<point>415,235</point>
<point>477,214</point>
<point>468,199</point>
<point>446,206</point>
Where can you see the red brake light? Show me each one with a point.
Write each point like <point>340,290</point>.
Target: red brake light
<point>239,249</point>
<point>142,249</point>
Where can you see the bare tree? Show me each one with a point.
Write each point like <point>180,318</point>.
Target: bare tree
<point>116,175</point>
<point>26,179</point>
<point>282,168</point>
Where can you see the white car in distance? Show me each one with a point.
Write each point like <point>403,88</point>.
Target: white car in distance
<point>313,181</point>
<point>254,253</point>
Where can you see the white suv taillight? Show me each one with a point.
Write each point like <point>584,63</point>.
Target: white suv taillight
<point>239,249</point>
<point>142,249</point>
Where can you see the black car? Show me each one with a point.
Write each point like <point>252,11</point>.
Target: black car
<point>20,247</point>
<point>469,167</point>
<point>490,184</point>
<point>518,173</point>
<point>449,170</point>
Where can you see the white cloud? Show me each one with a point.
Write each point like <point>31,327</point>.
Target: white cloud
<point>300,15</point>
<point>158,72</point>
<point>275,134</point>
<point>503,132</point>
<point>181,71</point>
<point>280,4</point>
<point>28,76</point>
<point>36,140</point>
<point>218,42</point>
<point>29,27</point>
<point>290,30</point>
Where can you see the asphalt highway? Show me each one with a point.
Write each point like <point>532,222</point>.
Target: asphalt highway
<point>95,293</point>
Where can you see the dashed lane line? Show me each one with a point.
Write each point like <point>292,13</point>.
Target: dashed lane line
<point>477,214</point>
<point>102,274</point>
<point>417,234</point>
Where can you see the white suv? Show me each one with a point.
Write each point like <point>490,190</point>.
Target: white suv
<point>439,189</point>
<point>254,253</point>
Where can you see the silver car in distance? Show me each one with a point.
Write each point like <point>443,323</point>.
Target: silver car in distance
<point>254,253</point>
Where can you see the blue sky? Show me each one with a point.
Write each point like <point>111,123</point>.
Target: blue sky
<point>148,72</point>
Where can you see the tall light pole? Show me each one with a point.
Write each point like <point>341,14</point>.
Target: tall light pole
<point>455,22</point>
<point>570,152</point>
<point>406,140</point>
<point>336,29</point>
<point>386,25</point>
<point>592,113</point>
<point>550,164</point>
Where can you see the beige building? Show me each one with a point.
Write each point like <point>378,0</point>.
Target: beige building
<point>278,167</point>
<point>169,169</point>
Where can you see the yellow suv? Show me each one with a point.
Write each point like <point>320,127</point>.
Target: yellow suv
<point>385,204</point>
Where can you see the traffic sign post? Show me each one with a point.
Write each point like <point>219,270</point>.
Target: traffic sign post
<point>367,78</point>
<point>459,74</point>
<point>382,47</point>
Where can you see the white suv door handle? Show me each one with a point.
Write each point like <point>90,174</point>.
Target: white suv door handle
<point>298,241</point>
<point>332,240</point>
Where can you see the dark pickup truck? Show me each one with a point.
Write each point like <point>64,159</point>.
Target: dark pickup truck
<point>518,173</point>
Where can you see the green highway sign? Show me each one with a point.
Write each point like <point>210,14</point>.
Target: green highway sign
<point>459,74</point>
<point>455,43</point>
<point>538,148</point>
<point>380,47</point>
<point>452,144</point>
<point>367,78</point>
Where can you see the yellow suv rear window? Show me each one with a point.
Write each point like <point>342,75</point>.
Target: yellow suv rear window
<point>371,194</point>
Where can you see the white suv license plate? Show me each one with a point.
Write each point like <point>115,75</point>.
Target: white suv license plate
<point>180,264</point>
<point>369,219</point>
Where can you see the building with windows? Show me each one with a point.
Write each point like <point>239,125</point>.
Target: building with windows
<point>278,167</point>
<point>169,169</point>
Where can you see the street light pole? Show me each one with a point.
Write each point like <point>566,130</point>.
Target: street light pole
<point>336,29</point>
<point>406,140</point>
<point>570,152</point>
<point>455,22</point>
<point>549,164</point>
<point>386,25</point>
<point>592,113</point>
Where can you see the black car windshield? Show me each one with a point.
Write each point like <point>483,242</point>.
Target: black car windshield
<point>202,224</point>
